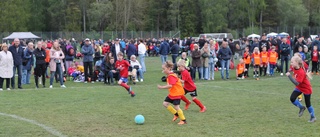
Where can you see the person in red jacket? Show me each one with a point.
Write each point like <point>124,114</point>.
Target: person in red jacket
<point>122,66</point>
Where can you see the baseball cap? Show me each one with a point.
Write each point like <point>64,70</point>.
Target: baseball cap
<point>87,39</point>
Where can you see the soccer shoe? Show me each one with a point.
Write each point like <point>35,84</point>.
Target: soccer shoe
<point>301,111</point>
<point>182,122</point>
<point>132,94</point>
<point>203,109</point>
<point>175,118</point>
<point>187,105</point>
<point>312,119</point>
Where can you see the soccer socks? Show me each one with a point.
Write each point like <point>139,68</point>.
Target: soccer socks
<point>125,86</point>
<point>172,110</point>
<point>181,116</point>
<point>197,101</point>
<point>184,99</point>
<point>298,104</point>
<point>311,111</point>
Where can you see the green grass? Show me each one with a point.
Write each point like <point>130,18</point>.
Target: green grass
<point>234,108</point>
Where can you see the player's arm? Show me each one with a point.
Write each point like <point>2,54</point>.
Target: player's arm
<point>294,81</point>
<point>164,87</point>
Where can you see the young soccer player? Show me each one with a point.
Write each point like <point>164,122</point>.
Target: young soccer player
<point>175,92</point>
<point>247,60</point>
<point>306,68</point>
<point>189,87</point>
<point>300,79</point>
<point>273,58</point>
<point>256,62</point>
<point>240,69</point>
<point>307,54</point>
<point>264,61</point>
<point>315,59</point>
<point>123,66</point>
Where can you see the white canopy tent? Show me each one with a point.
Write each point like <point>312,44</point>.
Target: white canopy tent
<point>254,36</point>
<point>272,34</point>
<point>21,35</point>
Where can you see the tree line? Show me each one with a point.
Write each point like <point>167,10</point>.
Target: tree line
<point>191,17</point>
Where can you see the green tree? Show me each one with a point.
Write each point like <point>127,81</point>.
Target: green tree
<point>294,14</point>
<point>214,15</point>
<point>191,20</point>
<point>99,14</point>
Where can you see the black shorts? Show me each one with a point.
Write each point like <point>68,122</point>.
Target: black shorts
<point>192,93</point>
<point>256,66</point>
<point>174,101</point>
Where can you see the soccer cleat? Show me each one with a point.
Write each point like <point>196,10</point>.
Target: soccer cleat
<point>187,105</point>
<point>301,111</point>
<point>182,122</point>
<point>203,109</point>
<point>312,119</point>
<point>132,94</point>
<point>175,118</point>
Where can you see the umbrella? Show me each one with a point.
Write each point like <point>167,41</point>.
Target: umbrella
<point>272,34</point>
<point>253,36</point>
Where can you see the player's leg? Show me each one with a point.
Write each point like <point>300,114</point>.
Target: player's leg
<point>176,104</point>
<point>197,101</point>
<point>166,104</point>
<point>184,99</point>
<point>295,101</point>
<point>310,108</point>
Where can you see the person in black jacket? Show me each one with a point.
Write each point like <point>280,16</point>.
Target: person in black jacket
<point>109,70</point>
<point>40,69</point>
<point>224,55</point>
<point>17,54</point>
<point>174,51</point>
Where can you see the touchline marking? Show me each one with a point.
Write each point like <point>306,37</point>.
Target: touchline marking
<point>49,129</point>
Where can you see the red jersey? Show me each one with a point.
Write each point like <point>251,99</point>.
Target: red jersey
<point>125,66</point>
<point>188,83</point>
<point>304,84</point>
<point>315,55</point>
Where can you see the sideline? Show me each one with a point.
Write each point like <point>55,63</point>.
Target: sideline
<point>49,129</point>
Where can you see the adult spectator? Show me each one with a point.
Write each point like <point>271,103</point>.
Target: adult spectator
<point>131,50</point>
<point>97,53</point>
<point>74,45</point>
<point>264,43</point>
<point>17,54</point>
<point>224,55</point>
<point>27,63</point>
<point>254,44</point>
<point>142,54</point>
<point>232,46</point>
<point>56,63</point>
<point>205,54</point>
<point>6,65</point>
<point>164,51</point>
<point>110,71</point>
<point>285,54</point>
<point>298,44</point>
<point>41,65</point>
<point>87,50</point>
<point>196,62</point>
<point>174,51</point>
<point>201,41</point>
<point>116,48</point>
<point>316,42</point>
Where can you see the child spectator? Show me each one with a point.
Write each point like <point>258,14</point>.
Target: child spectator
<point>136,69</point>
<point>307,55</point>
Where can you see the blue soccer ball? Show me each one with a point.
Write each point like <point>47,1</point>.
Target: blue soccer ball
<point>139,119</point>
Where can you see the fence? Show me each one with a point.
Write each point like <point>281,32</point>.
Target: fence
<point>103,35</point>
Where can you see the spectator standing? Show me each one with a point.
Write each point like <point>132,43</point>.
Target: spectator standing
<point>27,63</point>
<point>17,54</point>
<point>6,65</point>
<point>196,62</point>
<point>285,50</point>
<point>87,50</point>
<point>40,67</point>
<point>116,48</point>
<point>142,54</point>
<point>205,54</point>
<point>164,51</point>
<point>174,51</point>
<point>56,63</point>
<point>131,50</point>
<point>224,55</point>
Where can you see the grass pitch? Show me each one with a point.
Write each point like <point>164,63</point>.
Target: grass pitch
<point>234,108</point>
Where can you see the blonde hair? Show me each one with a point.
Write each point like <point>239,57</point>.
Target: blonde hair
<point>56,48</point>
<point>181,63</point>
<point>301,65</point>
<point>196,45</point>
<point>4,45</point>
<point>297,54</point>
<point>256,50</point>
<point>168,64</point>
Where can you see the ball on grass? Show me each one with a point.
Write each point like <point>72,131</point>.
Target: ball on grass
<point>139,119</point>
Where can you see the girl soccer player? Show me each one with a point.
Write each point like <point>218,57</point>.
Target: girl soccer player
<point>315,59</point>
<point>303,85</point>
<point>123,66</point>
<point>189,87</point>
<point>273,58</point>
<point>240,69</point>
<point>175,92</point>
<point>264,61</point>
<point>247,60</point>
<point>256,62</point>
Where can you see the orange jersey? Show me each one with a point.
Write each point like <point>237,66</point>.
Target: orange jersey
<point>273,57</point>
<point>256,58</point>
<point>246,58</point>
<point>176,91</point>
<point>264,57</point>
<point>240,68</point>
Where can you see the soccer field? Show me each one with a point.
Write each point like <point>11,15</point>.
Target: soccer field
<point>234,108</point>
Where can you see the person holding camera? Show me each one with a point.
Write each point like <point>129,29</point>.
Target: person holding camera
<point>40,68</point>
<point>56,63</point>
<point>136,69</point>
